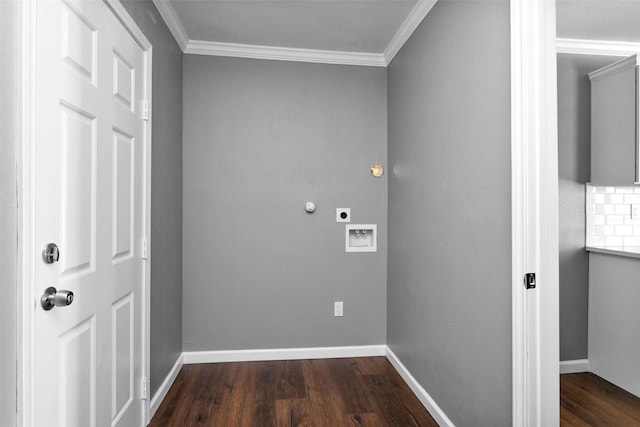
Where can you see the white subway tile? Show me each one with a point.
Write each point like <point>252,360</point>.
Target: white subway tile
<point>623,210</point>
<point>614,198</point>
<point>598,220</point>
<point>614,241</point>
<point>606,230</point>
<point>623,230</point>
<point>636,190</point>
<point>636,230</point>
<point>624,190</point>
<point>609,189</point>
<point>595,241</point>
<point>632,241</point>
<point>629,221</point>
<point>608,209</point>
<point>613,220</point>
<point>631,198</point>
<point>599,198</point>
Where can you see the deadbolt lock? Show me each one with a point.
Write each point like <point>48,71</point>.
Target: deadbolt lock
<point>50,253</point>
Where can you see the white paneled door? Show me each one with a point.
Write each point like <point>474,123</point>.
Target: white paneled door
<point>88,186</point>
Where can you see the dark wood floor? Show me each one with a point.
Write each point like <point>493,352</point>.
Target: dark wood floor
<point>325,392</point>
<point>588,400</point>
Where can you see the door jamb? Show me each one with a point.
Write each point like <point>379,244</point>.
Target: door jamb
<point>25,193</point>
<point>534,187</point>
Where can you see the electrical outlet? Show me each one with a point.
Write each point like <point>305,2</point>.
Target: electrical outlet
<point>338,309</point>
<point>635,211</point>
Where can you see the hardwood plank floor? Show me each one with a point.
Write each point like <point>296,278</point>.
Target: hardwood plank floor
<point>588,400</point>
<point>323,392</point>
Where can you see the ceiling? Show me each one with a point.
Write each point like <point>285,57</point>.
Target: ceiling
<point>607,20</point>
<point>359,32</point>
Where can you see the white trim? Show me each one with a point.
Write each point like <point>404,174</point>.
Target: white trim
<point>427,401</point>
<point>411,22</point>
<point>128,23</point>
<point>190,357</point>
<point>199,47</point>
<point>164,388</point>
<point>616,67</point>
<point>274,53</point>
<point>534,190</point>
<point>25,143</point>
<point>170,18</point>
<point>574,366</point>
<point>596,47</point>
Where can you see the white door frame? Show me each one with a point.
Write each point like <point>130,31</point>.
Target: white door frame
<point>26,296</point>
<point>534,189</point>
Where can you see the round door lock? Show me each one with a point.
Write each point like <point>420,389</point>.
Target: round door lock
<point>54,298</point>
<point>50,253</point>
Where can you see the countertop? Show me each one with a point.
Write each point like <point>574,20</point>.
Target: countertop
<point>627,251</point>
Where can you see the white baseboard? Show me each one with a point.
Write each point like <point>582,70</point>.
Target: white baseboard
<point>157,398</point>
<point>190,357</point>
<point>574,366</point>
<point>424,397</point>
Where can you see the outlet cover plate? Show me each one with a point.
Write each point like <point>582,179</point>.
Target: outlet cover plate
<point>338,309</point>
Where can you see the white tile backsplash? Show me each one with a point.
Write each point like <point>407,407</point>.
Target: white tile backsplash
<point>624,190</point>
<point>614,198</point>
<point>622,210</point>
<point>608,213</point>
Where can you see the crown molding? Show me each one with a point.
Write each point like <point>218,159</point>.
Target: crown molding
<point>596,47</point>
<point>616,67</point>
<point>170,17</point>
<point>411,22</point>
<point>199,47</point>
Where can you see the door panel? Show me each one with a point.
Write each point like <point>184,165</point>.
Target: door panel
<point>88,158</point>
<point>78,43</point>
<point>77,386</point>
<point>122,383</point>
<point>78,149</point>
<point>123,191</point>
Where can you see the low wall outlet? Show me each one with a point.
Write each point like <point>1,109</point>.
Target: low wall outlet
<point>343,214</point>
<point>338,309</point>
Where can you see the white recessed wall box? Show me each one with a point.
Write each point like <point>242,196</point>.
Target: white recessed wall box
<point>361,238</point>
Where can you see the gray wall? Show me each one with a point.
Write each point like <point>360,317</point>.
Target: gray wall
<point>262,138</point>
<point>166,191</point>
<point>449,296</point>
<point>8,209</point>
<point>574,139</point>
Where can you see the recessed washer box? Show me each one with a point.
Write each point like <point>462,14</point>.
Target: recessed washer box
<point>361,238</point>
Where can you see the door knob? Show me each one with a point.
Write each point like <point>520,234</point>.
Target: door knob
<point>54,298</point>
<point>50,253</point>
